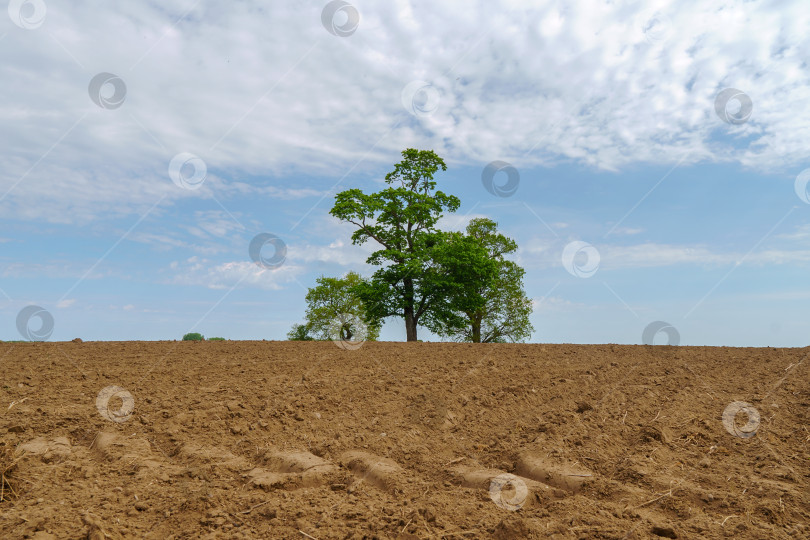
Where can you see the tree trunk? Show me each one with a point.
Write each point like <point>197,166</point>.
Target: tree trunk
<point>410,320</point>
<point>476,329</point>
<point>410,325</point>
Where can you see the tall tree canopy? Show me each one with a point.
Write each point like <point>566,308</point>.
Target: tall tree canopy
<point>489,301</point>
<point>402,220</point>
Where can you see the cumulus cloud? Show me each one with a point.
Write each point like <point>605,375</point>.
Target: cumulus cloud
<point>202,272</point>
<point>547,254</point>
<point>338,252</point>
<point>261,92</point>
<point>458,222</point>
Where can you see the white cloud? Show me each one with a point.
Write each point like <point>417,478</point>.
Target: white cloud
<point>627,230</point>
<point>555,303</point>
<point>651,254</point>
<point>58,269</point>
<point>263,91</point>
<point>775,256</point>
<point>535,246</point>
<point>458,222</point>
<point>286,194</point>
<point>800,234</point>
<point>202,272</point>
<point>546,254</point>
<point>65,303</point>
<point>336,252</point>
<point>214,224</point>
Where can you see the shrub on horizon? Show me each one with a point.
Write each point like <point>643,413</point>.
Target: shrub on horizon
<point>193,336</point>
<point>216,339</point>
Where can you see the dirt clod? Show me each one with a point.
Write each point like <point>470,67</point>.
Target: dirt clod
<point>664,532</point>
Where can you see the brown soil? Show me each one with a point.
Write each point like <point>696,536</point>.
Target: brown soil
<point>395,440</point>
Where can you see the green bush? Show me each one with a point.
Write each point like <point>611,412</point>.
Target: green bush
<point>216,339</point>
<point>193,336</point>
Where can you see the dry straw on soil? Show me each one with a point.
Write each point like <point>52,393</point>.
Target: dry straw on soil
<point>8,463</point>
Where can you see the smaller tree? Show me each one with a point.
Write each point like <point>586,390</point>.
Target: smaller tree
<point>462,268</point>
<point>299,332</point>
<point>489,298</point>
<point>334,304</point>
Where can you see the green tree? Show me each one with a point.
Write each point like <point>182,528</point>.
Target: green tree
<point>492,304</point>
<point>462,268</point>
<point>299,332</point>
<point>333,305</point>
<point>401,219</point>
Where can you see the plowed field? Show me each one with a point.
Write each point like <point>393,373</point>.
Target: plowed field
<point>402,440</point>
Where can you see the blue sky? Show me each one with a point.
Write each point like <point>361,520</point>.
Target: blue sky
<point>606,110</point>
